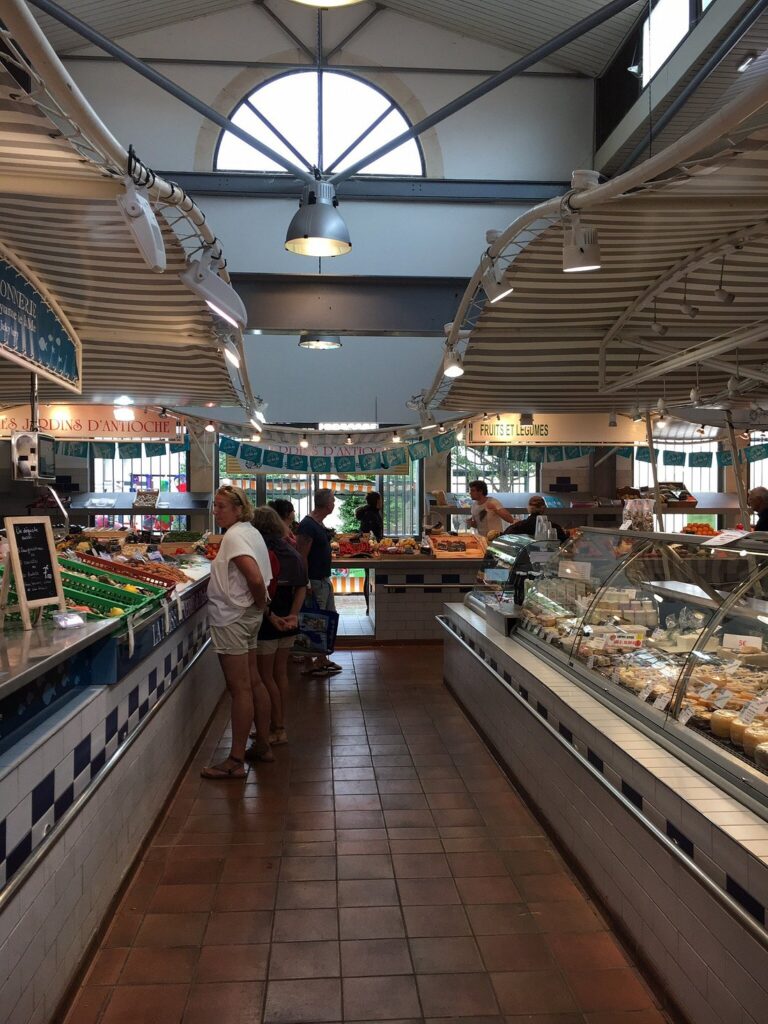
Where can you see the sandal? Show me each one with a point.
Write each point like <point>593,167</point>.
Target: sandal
<point>278,737</point>
<point>257,752</point>
<point>218,771</point>
<point>334,664</point>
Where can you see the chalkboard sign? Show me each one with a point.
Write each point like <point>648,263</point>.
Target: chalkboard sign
<point>33,566</point>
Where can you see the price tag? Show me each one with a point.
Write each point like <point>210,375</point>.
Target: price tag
<point>645,693</point>
<point>707,691</point>
<point>574,570</point>
<point>737,642</point>
<point>685,716</point>
<point>597,643</point>
<point>662,701</point>
<point>658,634</point>
<point>753,709</point>
<point>723,698</point>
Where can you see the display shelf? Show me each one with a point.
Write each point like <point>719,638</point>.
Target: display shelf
<point>121,503</point>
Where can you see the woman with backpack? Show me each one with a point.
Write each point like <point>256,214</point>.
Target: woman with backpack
<point>280,624</point>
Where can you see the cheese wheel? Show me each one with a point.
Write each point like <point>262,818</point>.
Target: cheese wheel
<point>738,728</point>
<point>754,735</point>
<point>720,723</point>
<point>761,755</point>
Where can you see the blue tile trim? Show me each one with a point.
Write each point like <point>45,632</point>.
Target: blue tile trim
<point>133,700</point>
<point>110,725</point>
<point>98,762</point>
<point>17,856</point>
<point>82,755</point>
<point>63,802</point>
<point>42,797</point>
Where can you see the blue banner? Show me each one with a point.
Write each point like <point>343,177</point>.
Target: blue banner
<point>674,458</point>
<point>345,463</point>
<point>103,449</point>
<point>229,446</point>
<point>297,463</point>
<point>32,334</point>
<point>643,454</point>
<point>394,457</point>
<point>700,460</point>
<point>251,454</point>
<point>626,451</point>
<point>572,451</point>
<point>444,442</point>
<point>755,452</point>
<point>75,449</point>
<point>370,461</point>
<point>152,449</point>
<point>320,463</point>
<point>268,457</point>
<point>724,459</point>
<point>536,454</point>
<point>517,453</point>
<point>129,450</point>
<point>180,448</point>
<point>555,453</point>
<point>420,450</point>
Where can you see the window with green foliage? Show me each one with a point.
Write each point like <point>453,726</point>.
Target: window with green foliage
<point>503,475</point>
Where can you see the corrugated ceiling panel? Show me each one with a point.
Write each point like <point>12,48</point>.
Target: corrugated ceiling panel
<point>522,26</point>
<point>125,17</point>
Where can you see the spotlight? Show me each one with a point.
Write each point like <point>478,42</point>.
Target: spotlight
<point>659,329</point>
<point>142,223</point>
<point>661,408</point>
<point>745,435</point>
<point>124,414</point>
<point>231,354</point>
<point>441,429</point>
<point>494,285</point>
<point>689,310</point>
<point>317,229</point>
<point>695,396</point>
<point>581,248</point>
<point>636,69</point>
<point>123,400</point>
<point>723,295</point>
<point>209,427</point>
<point>612,421</point>
<point>733,386</point>
<point>453,365</point>
<point>747,62</point>
<point>319,342</point>
<point>201,278</point>
<point>255,423</point>
<point>396,436</point>
<point>256,436</point>
<point>526,419</point>
<point>163,413</point>
<point>349,439</point>
<point>700,430</point>
<point>304,443</point>
<point>636,413</point>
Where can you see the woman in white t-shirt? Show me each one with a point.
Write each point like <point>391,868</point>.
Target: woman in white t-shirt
<point>237,597</point>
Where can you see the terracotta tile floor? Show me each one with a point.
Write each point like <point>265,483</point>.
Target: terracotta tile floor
<point>383,869</point>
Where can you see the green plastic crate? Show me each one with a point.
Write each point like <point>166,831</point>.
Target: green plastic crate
<point>101,605</point>
<point>151,595</point>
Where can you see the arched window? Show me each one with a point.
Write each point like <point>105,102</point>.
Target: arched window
<point>324,119</point>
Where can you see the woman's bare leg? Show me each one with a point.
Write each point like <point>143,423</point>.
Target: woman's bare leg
<point>238,679</point>
<point>280,675</point>
<point>261,706</point>
<point>267,672</point>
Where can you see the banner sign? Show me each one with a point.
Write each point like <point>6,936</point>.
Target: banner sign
<point>229,446</point>
<point>33,335</point>
<point>394,457</point>
<point>420,450</point>
<point>724,459</point>
<point>643,454</point>
<point>370,462</point>
<point>152,450</point>
<point>73,449</point>
<point>89,422</point>
<point>554,429</point>
<point>345,463</point>
<point>297,463</point>
<point>755,452</point>
<point>320,464</point>
<point>700,460</point>
<point>103,449</point>
<point>444,442</point>
<point>674,458</point>
<point>129,451</point>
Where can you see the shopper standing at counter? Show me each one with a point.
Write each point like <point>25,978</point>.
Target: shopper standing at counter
<point>314,546</point>
<point>487,513</point>
<point>757,499</point>
<point>237,598</point>
<point>287,513</point>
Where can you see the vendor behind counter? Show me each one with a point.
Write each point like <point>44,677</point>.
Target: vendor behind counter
<point>536,507</point>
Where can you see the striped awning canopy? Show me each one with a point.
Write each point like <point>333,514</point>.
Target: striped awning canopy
<point>626,334</point>
<point>141,332</point>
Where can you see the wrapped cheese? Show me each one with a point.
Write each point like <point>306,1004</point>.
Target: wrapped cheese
<point>754,735</point>
<point>761,755</point>
<point>720,723</point>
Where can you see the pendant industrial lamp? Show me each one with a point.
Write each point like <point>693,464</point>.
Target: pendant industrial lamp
<point>327,3</point>
<point>317,228</point>
<point>319,342</point>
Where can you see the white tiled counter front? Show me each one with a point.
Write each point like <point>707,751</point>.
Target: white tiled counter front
<point>714,966</point>
<point>60,886</point>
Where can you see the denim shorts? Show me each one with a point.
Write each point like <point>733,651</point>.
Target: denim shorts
<point>322,591</point>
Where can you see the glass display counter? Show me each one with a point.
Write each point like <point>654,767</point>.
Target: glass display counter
<point>670,628</point>
<point>511,561</point>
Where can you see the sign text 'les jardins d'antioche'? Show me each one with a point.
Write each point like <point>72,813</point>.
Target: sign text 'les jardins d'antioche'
<point>32,335</point>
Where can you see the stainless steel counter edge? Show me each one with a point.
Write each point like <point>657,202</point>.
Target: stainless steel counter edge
<point>413,561</point>
<point>17,647</point>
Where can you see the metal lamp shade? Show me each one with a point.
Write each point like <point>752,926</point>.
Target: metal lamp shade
<point>317,228</point>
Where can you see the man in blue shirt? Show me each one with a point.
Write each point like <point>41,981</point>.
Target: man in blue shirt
<point>313,542</point>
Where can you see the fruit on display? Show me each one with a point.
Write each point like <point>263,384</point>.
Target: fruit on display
<point>396,546</point>
<point>700,530</point>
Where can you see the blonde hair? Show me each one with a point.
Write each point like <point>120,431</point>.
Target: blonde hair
<point>268,522</point>
<point>239,501</point>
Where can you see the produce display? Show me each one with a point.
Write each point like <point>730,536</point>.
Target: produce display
<point>463,545</point>
<point>700,530</point>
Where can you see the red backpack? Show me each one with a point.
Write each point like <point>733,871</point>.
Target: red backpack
<point>274,564</point>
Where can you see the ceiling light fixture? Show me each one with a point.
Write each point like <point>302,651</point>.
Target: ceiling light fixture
<point>661,408</point>
<point>317,228</point>
<point>700,430</point>
<point>349,439</point>
<point>526,419</point>
<point>319,342</point>
<point>685,306</point>
<point>733,386</point>
<point>231,354</point>
<point>658,329</point>
<point>209,427</point>
<point>202,278</point>
<point>396,436</point>
<point>124,414</point>
<point>722,294</point>
<point>303,443</point>
<point>453,365</point>
<point>123,400</point>
<point>441,429</point>
<point>745,435</point>
<point>747,62</point>
<point>493,279</point>
<point>142,223</point>
<point>612,421</point>
<point>581,247</point>
<point>327,3</point>
<point>695,395</point>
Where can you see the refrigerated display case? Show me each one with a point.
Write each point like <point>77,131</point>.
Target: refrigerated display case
<point>669,629</point>
<point>511,560</point>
